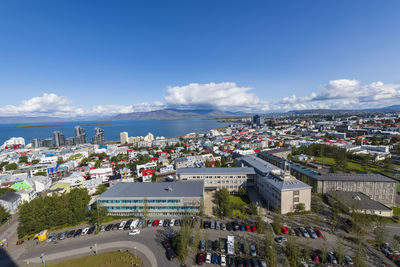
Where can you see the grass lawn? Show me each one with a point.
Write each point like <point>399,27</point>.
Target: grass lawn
<point>238,201</point>
<point>325,160</point>
<point>396,211</point>
<point>351,165</point>
<point>120,259</point>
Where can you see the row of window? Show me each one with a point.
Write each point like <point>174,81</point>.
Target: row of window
<point>154,208</point>
<point>218,176</point>
<point>223,181</point>
<point>116,201</point>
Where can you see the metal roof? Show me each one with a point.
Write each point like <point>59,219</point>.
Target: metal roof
<point>9,197</point>
<point>357,177</point>
<point>284,185</point>
<point>259,164</point>
<point>215,171</point>
<point>358,200</point>
<point>164,189</point>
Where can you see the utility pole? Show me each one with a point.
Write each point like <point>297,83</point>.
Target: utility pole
<point>43,260</point>
<point>95,247</point>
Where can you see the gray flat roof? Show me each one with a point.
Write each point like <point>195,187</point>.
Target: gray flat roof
<point>358,200</point>
<point>215,171</point>
<point>358,177</point>
<point>286,185</point>
<point>177,189</point>
<point>10,197</point>
<point>259,164</point>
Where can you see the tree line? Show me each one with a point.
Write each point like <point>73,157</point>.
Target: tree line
<point>53,211</point>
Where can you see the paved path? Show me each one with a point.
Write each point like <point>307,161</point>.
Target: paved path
<point>149,260</point>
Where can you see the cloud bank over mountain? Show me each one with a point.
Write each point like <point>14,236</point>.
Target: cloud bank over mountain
<point>336,94</point>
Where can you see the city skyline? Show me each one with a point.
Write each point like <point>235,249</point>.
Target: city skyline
<point>85,59</point>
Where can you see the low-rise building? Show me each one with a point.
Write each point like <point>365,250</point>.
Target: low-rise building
<point>159,199</point>
<point>217,178</point>
<point>360,202</point>
<point>10,201</point>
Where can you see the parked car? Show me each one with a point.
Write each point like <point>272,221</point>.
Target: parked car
<point>304,232</point>
<point>242,227</point>
<point>122,225</point>
<point>229,226</point>
<point>223,226</point>
<point>212,225</point>
<point>236,226</point>
<point>166,223</point>
<point>331,258</point>
<point>348,260</point>
<point>91,230</point>
<point>71,233</point>
<point>78,232</point>
<point>222,260</point>
<point>149,223</point>
<point>262,263</point>
<point>128,224</point>
<point>314,257</point>
<point>280,239</point>
<point>254,229</point>
<point>172,222</point>
<point>85,231</point>
<point>63,235</point>
<point>312,233</point>
<point>206,224</point>
<point>160,222</point>
<point>170,254</point>
<point>202,245</point>
<point>209,245</point>
<point>253,250</point>
<point>223,245</point>
<point>155,223</point>
<point>318,232</point>
<point>140,223</point>
<point>200,259</point>
<point>247,228</point>
<point>134,232</point>
<point>231,260</point>
<point>285,230</point>
<point>208,257</point>
<point>177,222</point>
<point>166,244</point>
<point>291,231</point>
<point>298,233</point>
<point>115,226</point>
<point>103,228</point>
<point>215,245</point>
<point>50,237</point>
<point>214,258</point>
<point>254,262</point>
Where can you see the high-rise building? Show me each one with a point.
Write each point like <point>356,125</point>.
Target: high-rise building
<point>58,139</point>
<point>124,138</point>
<point>258,120</point>
<point>70,141</point>
<point>98,137</point>
<point>47,142</point>
<point>36,143</point>
<point>80,135</point>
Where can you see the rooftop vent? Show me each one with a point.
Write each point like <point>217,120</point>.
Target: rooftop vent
<point>357,198</point>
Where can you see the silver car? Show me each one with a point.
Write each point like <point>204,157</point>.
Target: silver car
<point>304,232</point>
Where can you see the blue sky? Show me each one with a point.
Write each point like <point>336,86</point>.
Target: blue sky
<point>94,57</point>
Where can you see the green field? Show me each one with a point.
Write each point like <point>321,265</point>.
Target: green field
<point>110,259</point>
<point>351,165</point>
<point>238,201</point>
<point>396,211</point>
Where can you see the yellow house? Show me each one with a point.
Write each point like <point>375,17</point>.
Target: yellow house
<point>42,236</point>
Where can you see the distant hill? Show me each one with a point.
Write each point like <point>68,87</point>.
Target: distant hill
<point>174,114</point>
<point>20,119</point>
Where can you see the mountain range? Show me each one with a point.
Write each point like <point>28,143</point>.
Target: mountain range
<point>176,114</point>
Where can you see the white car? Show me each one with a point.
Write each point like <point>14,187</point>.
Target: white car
<point>103,228</point>
<point>122,225</point>
<point>172,222</point>
<point>223,260</point>
<point>208,257</point>
<point>160,223</point>
<point>134,232</point>
<point>84,231</point>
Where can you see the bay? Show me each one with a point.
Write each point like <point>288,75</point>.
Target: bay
<point>112,129</point>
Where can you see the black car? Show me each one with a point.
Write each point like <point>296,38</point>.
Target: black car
<point>91,230</point>
<point>297,232</point>
<point>209,245</point>
<point>205,225</point>
<point>215,245</point>
<point>170,254</point>
<point>109,227</point>
<point>239,262</point>
<point>166,223</point>
<point>178,222</point>
<point>128,225</point>
<point>236,227</point>
<point>254,262</point>
<point>116,226</point>
<point>231,261</point>
<point>78,232</point>
<point>247,262</point>
<point>229,226</point>
<point>71,233</point>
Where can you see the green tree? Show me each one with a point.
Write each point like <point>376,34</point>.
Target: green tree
<point>359,258</point>
<point>101,188</point>
<point>365,161</point>
<point>340,251</point>
<point>224,205</point>
<point>341,160</point>
<point>23,159</point>
<point>40,173</point>
<point>11,166</point>
<point>380,232</point>
<point>60,160</point>
<point>207,164</point>
<point>6,189</point>
<point>3,214</point>
<point>253,210</point>
<point>293,251</point>
<point>271,255</point>
<point>324,250</point>
<point>181,241</point>
<point>154,177</point>
<point>97,214</point>
<point>98,163</point>
<point>223,162</point>
<point>259,225</point>
<point>217,163</point>
<point>387,164</point>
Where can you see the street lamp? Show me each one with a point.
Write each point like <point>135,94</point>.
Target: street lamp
<point>43,260</point>
<point>95,246</point>
<point>134,251</point>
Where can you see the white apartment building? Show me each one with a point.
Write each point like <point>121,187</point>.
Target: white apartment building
<point>124,138</point>
<point>103,173</point>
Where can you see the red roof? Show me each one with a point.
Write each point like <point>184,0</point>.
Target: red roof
<point>256,150</point>
<point>154,159</point>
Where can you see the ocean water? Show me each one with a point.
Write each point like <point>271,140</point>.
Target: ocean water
<point>111,129</point>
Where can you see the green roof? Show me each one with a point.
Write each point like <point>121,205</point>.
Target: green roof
<point>21,186</point>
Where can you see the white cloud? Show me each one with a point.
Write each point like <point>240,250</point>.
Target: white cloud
<point>220,95</point>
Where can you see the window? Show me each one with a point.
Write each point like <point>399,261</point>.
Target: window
<point>296,193</point>
<point>296,199</point>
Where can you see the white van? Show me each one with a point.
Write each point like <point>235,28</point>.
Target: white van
<point>122,225</point>
<point>134,224</point>
<point>84,231</point>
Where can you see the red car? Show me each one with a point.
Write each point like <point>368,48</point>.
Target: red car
<point>166,244</point>
<point>315,257</point>
<point>394,257</point>
<point>285,230</point>
<point>200,259</point>
<point>247,228</point>
<point>318,232</point>
<point>20,242</point>
<point>254,229</point>
<point>155,223</point>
